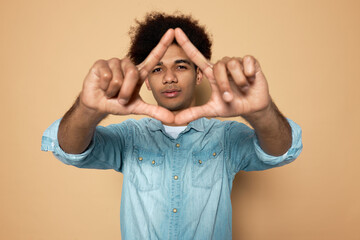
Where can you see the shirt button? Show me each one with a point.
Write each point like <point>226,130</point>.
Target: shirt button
<point>200,162</point>
<point>140,158</point>
<point>177,145</point>
<point>214,154</point>
<point>153,162</point>
<point>176,177</point>
<point>174,210</point>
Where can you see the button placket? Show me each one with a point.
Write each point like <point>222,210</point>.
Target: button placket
<point>176,182</point>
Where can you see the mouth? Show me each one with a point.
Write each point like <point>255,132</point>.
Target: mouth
<point>171,93</point>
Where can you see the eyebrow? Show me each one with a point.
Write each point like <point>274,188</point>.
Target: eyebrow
<point>176,62</point>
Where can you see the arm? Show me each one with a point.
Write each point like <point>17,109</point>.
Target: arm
<point>272,130</point>
<point>111,87</point>
<point>77,128</point>
<point>239,88</point>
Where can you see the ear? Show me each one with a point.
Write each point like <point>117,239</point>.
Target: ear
<point>199,76</point>
<point>147,83</point>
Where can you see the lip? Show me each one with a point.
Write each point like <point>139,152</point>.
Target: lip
<point>171,93</point>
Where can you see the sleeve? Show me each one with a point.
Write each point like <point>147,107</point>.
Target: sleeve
<point>246,154</point>
<point>105,151</point>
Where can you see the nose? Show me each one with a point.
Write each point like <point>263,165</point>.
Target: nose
<point>169,77</point>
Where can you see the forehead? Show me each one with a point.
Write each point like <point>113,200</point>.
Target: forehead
<point>173,53</point>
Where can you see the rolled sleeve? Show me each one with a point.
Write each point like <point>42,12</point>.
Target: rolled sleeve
<point>293,152</point>
<point>49,142</point>
<point>246,154</point>
<point>104,151</point>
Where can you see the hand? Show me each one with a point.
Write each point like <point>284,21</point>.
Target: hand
<point>112,86</point>
<point>239,88</point>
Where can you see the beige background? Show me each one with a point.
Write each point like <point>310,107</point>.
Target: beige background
<point>309,51</point>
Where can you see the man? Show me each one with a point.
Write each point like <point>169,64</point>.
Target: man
<point>178,167</point>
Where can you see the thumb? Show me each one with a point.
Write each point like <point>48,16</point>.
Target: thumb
<point>157,112</point>
<point>190,114</point>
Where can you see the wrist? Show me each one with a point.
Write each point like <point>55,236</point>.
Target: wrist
<point>268,119</point>
<point>93,115</point>
<point>87,117</point>
<point>272,130</point>
<point>262,115</point>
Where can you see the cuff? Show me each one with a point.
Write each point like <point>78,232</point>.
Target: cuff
<point>290,155</point>
<point>49,142</point>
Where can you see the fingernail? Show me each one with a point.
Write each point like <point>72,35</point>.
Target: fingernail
<point>245,88</point>
<point>122,101</point>
<point>227,96</point>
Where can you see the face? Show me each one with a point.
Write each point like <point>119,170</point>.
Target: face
<point>173,80</point>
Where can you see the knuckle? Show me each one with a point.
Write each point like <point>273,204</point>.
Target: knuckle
<point>192,51</point>
<point>125,96</point>
<point>249,58</point>
<point>116,82</point>
<point>226,59</point>
<point>106,75</point>
<point>154,54</point>
<point>219,65</point>
<point>99,62</point>
<point>97,65</point>
<point>224,84</point>
<point>233,64</point>
<point>114,61</point>
<point>241,83</point>
<point>126,60</point>
<point>133,73</point>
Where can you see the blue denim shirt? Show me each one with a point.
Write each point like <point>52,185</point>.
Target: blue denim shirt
<point>175,188</point>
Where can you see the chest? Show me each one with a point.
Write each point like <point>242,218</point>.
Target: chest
<point>196,161</point>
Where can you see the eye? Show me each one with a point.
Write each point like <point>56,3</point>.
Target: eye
<point>156,70</point>
<point>182,67</point>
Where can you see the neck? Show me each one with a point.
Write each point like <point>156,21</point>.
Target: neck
<point>175,112</point>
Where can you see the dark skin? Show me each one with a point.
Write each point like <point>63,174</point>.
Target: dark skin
<point>239,88</point>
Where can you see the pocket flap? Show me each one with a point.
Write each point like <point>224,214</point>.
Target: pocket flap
<point>145,156</point>
<point>207,154</point>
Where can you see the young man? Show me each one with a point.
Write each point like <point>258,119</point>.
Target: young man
<point>178,166</point>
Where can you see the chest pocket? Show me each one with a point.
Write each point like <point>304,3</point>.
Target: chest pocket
<point>207,166</point>
<point>147,169</point>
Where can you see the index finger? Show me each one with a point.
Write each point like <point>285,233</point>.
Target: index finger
<point>193,53</point>
<point>156,54</point>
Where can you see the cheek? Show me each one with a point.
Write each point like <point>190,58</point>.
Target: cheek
<point>153,83</point>
<point>188,78</point>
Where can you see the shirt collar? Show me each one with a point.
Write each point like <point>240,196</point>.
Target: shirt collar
<point>198,125</point>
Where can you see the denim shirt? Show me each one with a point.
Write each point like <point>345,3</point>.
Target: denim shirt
<point>175,188</point>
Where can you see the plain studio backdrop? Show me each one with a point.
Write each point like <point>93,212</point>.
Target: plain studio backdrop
<point>309,51</point>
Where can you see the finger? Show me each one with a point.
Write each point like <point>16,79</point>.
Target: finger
<point>131,79</point>
<point>156,112</point>
<point>156,54</point>
<point>190,114</point>
<point>117,78</point>
<point>193,53</point>
<point>222,80</point>
<point>249,66</point>
<point>236,70</point>
<point>102,72</point>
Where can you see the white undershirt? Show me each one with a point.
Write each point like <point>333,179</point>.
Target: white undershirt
<point>174,131</point>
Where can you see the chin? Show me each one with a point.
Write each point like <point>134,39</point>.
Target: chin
<point>175,104</point>
<point>172,108</point>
